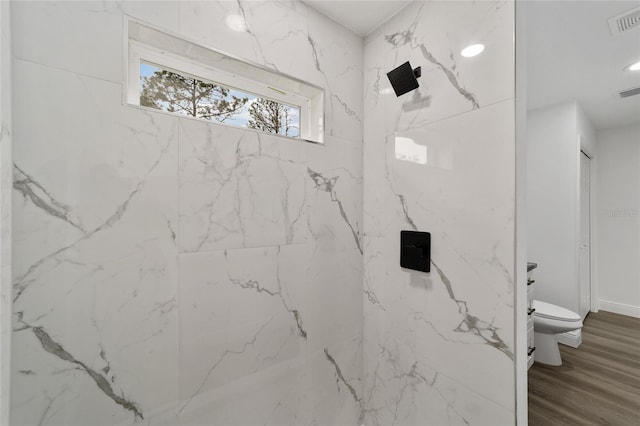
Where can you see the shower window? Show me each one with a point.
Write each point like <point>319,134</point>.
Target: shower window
<point>176,76</point>
<point>184,94</point>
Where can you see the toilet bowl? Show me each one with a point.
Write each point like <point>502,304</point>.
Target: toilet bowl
<point>549,320</point>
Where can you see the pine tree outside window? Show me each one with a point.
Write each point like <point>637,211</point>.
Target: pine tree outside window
<point>180,93</point>
<point>173,75</point>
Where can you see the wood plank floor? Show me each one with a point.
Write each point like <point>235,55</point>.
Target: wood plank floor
<point>597,384</point>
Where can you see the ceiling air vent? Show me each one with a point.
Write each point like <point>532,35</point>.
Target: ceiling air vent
<point>629,92</point>
<point>625,22</point>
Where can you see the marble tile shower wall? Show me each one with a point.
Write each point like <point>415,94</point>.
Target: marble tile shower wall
<point>438,347</point>
<point>170,271</point>
<point>6,168</point>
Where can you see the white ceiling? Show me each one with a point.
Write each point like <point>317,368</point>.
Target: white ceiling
<point>360,16</point>
<point>571,55</point>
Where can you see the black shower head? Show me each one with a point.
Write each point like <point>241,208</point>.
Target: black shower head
<point>404,78</point>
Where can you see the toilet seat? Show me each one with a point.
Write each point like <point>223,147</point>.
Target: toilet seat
<point>554,312</point>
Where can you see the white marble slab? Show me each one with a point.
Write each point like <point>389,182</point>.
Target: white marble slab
<point>87,168</point>
<point>289,37</point>
<point>80,36</point>
<point>439,346</point>
<point>431,35</point>
<point>274,30</point>
<point>334,271</point>
<point>239,188</point>
<point>160,13</point>
<point>6,136</point>
<point>419,394</point>
<point>330,387</point>
<point>377,90</point>
<point>237,316</point>
<point>244,341</point>
<point>6,169</point>
<point>337,66</point>
<point>95,315</point>
<point>303,390</point>
<point>138,235</point>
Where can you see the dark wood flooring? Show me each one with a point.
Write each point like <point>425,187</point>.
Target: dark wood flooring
<point>597,384</point>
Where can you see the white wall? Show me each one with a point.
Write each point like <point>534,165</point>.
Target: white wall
<point>551,202</point>
<point>618,215</point>
<point>552,198</point>
<point>254,318</point>
<point>587,143</point>
<point>585,129</point>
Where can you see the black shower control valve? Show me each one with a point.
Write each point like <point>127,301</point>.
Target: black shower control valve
<point>415,250</point>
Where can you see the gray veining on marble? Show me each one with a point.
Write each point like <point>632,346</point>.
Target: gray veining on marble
<point>255,285</point>
<point>340,376</point>
<point>164,266</point>
<point>327,185</point>
<point>221,358</point>
<point>39,196</point>
<point>439,346</point>
<point>54,348</point>
<point>471,323</point>
<point>184,271</point>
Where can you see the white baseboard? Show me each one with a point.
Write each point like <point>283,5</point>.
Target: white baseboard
<point>570,338</point>
<point>619,308</point>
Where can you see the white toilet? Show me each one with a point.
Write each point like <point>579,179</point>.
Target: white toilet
<point>549,320</point>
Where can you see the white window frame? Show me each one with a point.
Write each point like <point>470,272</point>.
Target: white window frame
<point>140,53</point>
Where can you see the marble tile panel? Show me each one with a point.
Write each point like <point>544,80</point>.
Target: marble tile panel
<point>334,188</point>
<point>457,191</point>
<point>238,317</point>
<point>467,298</point>
<point>331,385</point>
<point>337,66</point>
<point>95,320</point>
<point>88,169</point>
<point>317,388</point>
<point>171,271</point>
<point>102,347</point>
<point>428,35</point>
<point>5,344</point>
<point>377,91</point>
<point>274,29</point>
<point>81,36</point>
<point>239,188</point>
<point>440,160</point>
<point>417,394</point>
<point>160,13</point>
<point>335,181</point>
<point>6,134</point>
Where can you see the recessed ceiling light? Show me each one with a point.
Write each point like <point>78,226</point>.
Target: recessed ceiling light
<point>633,67</point>
<point>236,23</point>
<point>473,50</point>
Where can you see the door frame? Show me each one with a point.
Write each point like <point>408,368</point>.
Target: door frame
<point>520,243</point>
<point>593,284</point>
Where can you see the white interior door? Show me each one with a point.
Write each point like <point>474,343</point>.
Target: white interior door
<point>585,235</point>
